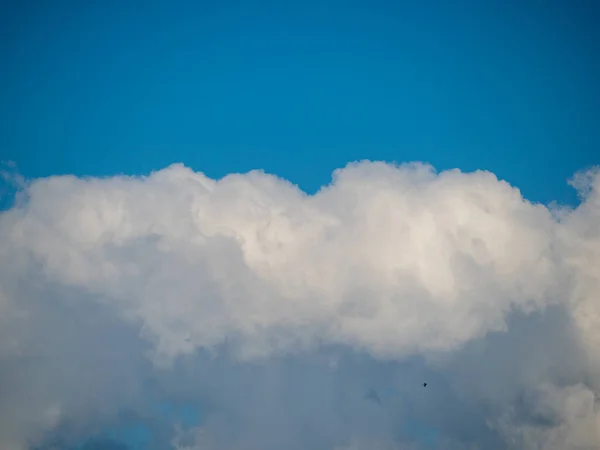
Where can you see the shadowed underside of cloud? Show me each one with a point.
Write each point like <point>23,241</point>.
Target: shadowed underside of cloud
<point>296,321</point>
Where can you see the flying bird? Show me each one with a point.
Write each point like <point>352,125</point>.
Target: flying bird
<point>424,384</point>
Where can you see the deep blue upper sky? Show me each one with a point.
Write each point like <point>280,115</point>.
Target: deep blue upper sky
<point>299,88</point>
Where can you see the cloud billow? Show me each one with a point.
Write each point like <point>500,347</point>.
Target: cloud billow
<point>389,274</point>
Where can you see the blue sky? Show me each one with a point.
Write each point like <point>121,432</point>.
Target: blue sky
<point>301,88</point>
<point>298,89</point>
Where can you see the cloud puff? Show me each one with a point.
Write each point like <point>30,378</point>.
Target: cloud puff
<point>105,281</point>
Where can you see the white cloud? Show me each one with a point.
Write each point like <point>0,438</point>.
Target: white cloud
<point>395,261</point>
<point>576,420</point>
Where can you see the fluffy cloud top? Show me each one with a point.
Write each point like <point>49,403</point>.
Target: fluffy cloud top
<point>394,262</point>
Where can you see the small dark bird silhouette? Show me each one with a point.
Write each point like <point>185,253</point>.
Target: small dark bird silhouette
<point>424,384</point>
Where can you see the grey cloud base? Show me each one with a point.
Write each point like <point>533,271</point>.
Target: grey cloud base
<point>388,274</point>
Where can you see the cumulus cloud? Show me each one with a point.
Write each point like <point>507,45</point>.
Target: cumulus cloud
<point>278,311</point>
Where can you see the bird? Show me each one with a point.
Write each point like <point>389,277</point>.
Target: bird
<point>424,384</point>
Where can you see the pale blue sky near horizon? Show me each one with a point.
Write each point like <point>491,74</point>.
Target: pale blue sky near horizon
<point>302,88</point>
